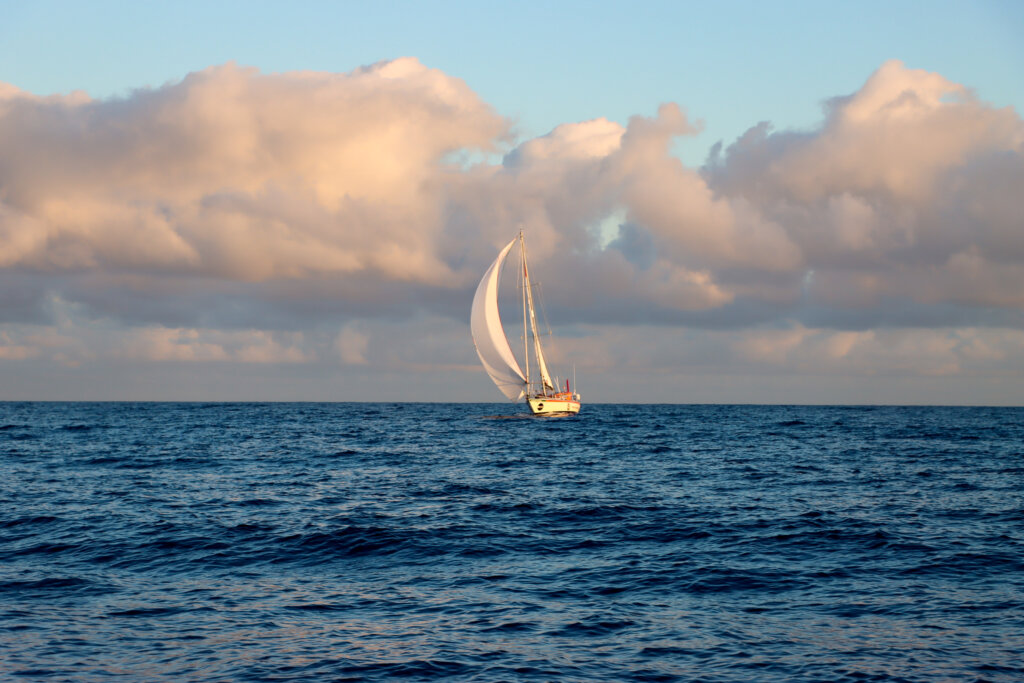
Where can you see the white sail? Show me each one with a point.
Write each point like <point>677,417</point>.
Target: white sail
<point>542,367</point>
<point>545,378</point>
<point>488,335</point>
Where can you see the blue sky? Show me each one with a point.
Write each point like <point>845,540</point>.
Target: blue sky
<point>189,229</point>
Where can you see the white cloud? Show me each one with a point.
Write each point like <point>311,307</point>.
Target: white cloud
<point>909,183</point>
<point>238,174</point>
<point>236,216</point>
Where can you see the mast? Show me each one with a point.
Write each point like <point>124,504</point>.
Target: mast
<point>542,368</point>
<point>526,335</point>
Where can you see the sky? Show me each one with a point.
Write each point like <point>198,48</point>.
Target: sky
<point>734,202</point>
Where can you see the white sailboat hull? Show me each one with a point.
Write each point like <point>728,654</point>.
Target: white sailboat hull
<point>546,405</point>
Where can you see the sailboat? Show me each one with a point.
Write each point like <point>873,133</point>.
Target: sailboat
<point>541,394</point>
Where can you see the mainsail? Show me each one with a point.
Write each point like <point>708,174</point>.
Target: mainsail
<point>488,335</point>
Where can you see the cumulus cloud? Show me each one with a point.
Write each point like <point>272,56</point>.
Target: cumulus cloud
<point>237,174</point>
<point>237,216</point>
<point>910,190</point>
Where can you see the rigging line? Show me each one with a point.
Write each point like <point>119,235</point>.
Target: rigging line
<point>520,288</point>
<point>544,315</point>
<point>526,294</point>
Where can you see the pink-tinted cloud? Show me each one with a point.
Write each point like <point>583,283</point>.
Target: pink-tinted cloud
<point>236,216</point>
<point>911,189</point>
<point>238,174</point>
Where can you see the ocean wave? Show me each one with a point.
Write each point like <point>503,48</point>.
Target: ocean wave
<point>380,541</point>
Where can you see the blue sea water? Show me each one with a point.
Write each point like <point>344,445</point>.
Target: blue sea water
<point>349,542</point>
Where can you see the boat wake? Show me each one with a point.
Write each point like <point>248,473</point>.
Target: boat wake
<point>527,417</point>
<point>505,417</point>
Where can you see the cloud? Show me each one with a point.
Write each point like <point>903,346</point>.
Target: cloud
<point>351,345</point>
<point>910,190</point>
<point>236,174</point>
<point>11,350</point>
<point>237,216</point>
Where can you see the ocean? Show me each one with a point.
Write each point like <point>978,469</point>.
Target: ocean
<point>384,541</point>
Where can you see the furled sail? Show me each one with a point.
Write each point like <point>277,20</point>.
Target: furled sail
<point>488,335</point>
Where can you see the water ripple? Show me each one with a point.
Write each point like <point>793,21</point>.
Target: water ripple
<point>293,542</point>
